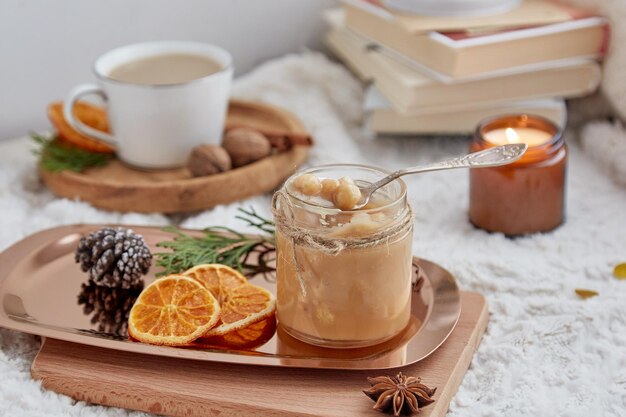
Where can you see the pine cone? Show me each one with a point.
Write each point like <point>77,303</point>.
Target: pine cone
<point>109,307</point>
<point>114,257</point>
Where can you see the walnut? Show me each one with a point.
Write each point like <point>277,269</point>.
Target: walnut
<point>245,145</point>
<point>208,160</point>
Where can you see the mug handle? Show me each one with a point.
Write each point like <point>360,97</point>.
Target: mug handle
<point>75,94</point>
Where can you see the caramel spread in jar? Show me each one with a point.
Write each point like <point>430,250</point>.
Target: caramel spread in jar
<point>343,276</point>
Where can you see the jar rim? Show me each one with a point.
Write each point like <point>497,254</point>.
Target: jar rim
<point>524,120</point>
<point>534,154</point>
<point>383,172</point>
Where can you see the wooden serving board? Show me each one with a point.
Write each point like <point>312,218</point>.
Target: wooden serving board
<point>179,387</point>
<point>119,187</point>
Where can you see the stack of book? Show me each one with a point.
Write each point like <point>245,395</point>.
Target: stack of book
<point>442,75</point>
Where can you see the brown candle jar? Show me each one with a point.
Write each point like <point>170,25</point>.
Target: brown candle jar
<point>526,196</point>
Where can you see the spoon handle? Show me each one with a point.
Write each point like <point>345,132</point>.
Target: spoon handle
<point>492,157</point>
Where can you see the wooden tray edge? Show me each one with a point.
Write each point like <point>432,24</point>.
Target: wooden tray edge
<point>449,390</point>
<point>192,194</point>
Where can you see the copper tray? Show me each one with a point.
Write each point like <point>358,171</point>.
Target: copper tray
<point>40,284</point>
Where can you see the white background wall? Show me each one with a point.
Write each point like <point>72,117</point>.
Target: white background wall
<point>47,46</point>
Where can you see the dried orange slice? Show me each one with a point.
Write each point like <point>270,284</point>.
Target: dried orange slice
<point>243,306</point>
<point>241,303</point>
<point>217,278</point>
<point>249,337</point>
<point>92,116</point>
<point>173,311</point>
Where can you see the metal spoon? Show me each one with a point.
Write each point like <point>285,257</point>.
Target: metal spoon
<point>492,157</point>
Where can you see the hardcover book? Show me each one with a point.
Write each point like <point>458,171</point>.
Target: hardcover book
<point>382,118</point>
<point>464,55</point>
<point>409,89</point>
<point>528,13</point>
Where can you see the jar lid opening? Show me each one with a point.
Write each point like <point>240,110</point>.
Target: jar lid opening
<point>395,191</point>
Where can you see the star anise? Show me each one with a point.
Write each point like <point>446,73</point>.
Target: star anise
<point>402,394</point>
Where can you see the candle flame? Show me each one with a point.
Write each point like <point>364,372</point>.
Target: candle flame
<point>511,135</point>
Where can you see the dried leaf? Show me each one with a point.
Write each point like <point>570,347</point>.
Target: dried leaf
<point>582,293</point>
<point>619,271</point>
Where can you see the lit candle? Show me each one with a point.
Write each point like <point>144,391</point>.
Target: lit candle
<point>528,195</point>
<point>527,135</point>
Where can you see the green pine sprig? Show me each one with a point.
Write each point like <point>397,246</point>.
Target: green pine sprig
<point>55,156</point>
<point>250,254</point>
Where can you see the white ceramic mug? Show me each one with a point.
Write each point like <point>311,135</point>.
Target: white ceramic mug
<point>156,126</point>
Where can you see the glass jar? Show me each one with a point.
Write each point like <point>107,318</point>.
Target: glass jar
<point>528,195</point>
<point>343,277</point>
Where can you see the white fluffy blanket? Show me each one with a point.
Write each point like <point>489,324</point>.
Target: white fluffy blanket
<point>605,141</point>
<point>546,352</point>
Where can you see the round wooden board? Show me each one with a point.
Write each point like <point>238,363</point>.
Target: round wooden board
<point>119,187</point>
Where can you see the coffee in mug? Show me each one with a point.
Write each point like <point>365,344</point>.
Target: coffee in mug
<point>165,69</point>
<point>163,99</point>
